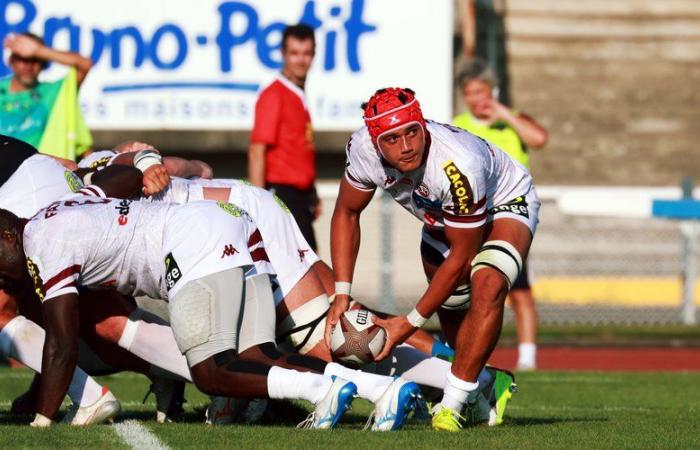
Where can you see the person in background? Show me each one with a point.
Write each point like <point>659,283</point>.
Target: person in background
<point>512,132</point>
<point>281,154</point>
<point>43,114</point>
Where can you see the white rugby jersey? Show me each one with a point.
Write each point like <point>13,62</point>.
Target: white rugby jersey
<point>135,247</point>
<point>462,178</point>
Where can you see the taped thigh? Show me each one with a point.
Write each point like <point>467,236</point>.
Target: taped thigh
<point>304,325</point>
<point>499,255</point>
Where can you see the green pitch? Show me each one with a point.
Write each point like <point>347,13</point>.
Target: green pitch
<point>552,410</point>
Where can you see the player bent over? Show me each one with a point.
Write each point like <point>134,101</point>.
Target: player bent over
<point>479,210</point>
<point>302,280</point>
<point>204,254</point>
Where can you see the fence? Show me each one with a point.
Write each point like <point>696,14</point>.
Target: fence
<point>598,257</point>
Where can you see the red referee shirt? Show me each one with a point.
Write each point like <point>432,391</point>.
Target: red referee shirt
<point>283,123</point>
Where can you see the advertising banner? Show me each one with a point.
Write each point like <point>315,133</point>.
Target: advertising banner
<point>198,65</point>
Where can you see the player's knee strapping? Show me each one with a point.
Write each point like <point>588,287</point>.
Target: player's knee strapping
<point>304,325</point>
<point>499,255</point>
<point>461,298</point>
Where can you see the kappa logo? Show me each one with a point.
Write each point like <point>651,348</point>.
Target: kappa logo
<point>389,180</point>
<point>172,271</point>
<point>229,250</point>
<point>393,120</point>
<point>302,254</point>
<point>462,195</point>
<point>516,206</point>
<point>33,270</point>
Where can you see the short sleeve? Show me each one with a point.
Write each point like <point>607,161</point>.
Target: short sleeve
<point>356,170</point>
<point>54,270</point>
<point>97,160</point>
<point>267,117</point>
<point>463,197</point>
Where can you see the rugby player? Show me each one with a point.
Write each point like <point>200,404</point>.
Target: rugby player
<point>479,209</point>
<point>303,283</point>
<point>205,289</point>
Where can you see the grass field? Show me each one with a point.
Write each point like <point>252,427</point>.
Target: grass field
<point>552,410</point>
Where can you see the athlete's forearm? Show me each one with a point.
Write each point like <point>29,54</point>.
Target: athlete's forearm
<point>256,164</point>
<point>447,277</point>
<point>60,352</point>
<point>82,64</point>
<point>345,243</point>
<point>529,131</point>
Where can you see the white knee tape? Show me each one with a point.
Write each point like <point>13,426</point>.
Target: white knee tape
<point>304,325</point>
<point>7,334</point>
<point>499,255</point>
<point>460,300</point>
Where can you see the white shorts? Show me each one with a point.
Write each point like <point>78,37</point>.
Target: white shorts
<point>37,182</point>
<point>204,239</point>
<point>216,313</point>
<point>290,254</point>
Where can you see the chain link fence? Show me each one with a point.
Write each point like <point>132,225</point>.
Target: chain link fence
<point>586,268</point>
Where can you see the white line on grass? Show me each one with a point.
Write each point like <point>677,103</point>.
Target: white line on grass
<point>138,436</point>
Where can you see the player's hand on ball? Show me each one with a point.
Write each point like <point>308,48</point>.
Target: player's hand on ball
<point>398,329</point>
<point>338,307</point>
<point>155,179</point>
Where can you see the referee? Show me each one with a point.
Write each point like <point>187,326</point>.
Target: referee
<point>281,154</point>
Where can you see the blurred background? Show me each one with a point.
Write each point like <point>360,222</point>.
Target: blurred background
<point>614,82</point>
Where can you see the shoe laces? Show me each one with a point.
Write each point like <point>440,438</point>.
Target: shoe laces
<point>308,423</point>
<point>452,416</point>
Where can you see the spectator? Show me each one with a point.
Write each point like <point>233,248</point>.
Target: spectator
<point>483,35</point>
<point>281,154</point>
<point>513,132</point>
<point>44,114</point>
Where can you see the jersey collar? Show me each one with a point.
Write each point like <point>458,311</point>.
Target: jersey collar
<point>294,88</point>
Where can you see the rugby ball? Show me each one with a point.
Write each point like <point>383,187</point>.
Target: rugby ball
<point>355,339</point>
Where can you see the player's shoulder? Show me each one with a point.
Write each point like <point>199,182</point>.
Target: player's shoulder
<point>360,143</point>
<point>97,159</point>
<point>450,142</point>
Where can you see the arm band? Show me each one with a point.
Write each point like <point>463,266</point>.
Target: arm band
<point>342,287</point>
<point>147,158</point>
<point>416,319</point>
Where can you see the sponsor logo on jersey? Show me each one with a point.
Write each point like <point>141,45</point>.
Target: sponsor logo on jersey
<point>462,195</point>
<point>33,270</point>
<point>102,162</point>
<point>230,208</point>
<point>123,210</point>
<point>282,204</point>
<point>421,197</point>
<point>74,183</point>
<point>229,250</point>
<point>172,271</point>
<point>516,206</point>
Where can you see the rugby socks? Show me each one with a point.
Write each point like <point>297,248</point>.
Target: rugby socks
<point>151,339</point>
<point>458,392</point>
<point>292,384</point>
<point>412,364</point>
<point>23,340</point>
<point>370,386</point>
<point>527,353</point>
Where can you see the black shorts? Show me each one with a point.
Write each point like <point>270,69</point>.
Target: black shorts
<point>434,246</point>
<point>302,204</point>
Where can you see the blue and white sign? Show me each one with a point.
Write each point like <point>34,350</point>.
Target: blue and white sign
<point>177,64</point>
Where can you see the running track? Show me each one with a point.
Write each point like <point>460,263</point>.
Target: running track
<point>606,358</point>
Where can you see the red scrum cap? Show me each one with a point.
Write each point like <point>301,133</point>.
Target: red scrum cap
<point>389,109</point>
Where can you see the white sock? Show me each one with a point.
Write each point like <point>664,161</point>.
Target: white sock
<point>23,340</point>
<point>292,384</point>
<point>414,365</point>
<point>527,352</point>
<point>370,386</point>
<point>151,339</point>
<point>457,392</point>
